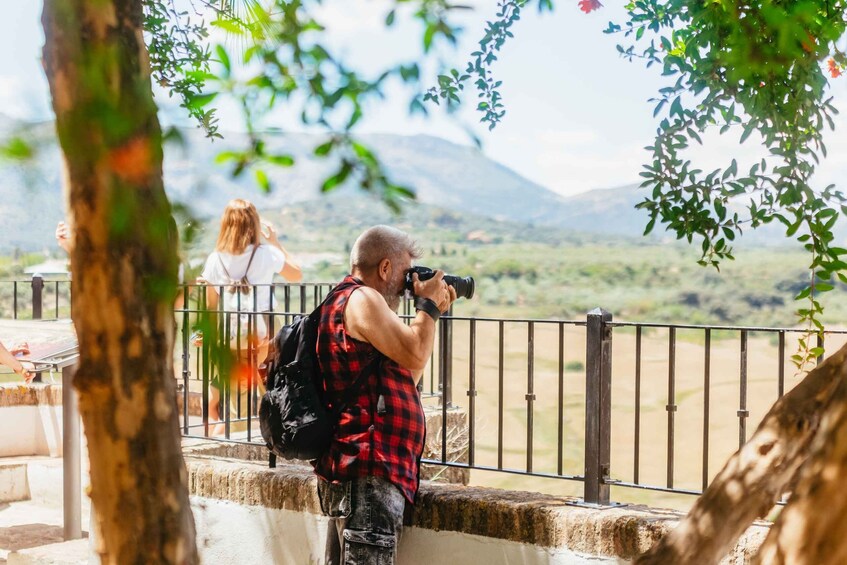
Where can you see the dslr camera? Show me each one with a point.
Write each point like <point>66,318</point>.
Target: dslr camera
<point>464,285</point>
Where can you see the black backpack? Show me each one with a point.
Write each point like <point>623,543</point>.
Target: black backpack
<point>293,414</point>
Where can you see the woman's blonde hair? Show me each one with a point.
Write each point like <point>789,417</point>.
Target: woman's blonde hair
<point>240,227</point>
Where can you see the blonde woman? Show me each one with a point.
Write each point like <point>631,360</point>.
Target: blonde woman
<point>241,266</point>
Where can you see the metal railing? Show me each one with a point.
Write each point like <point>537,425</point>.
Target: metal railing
<point>538,394</point>
<point>35,299</point>
<point>654,408</point>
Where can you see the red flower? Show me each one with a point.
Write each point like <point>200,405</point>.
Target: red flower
<point>834,69</point>
<point>589,6</point>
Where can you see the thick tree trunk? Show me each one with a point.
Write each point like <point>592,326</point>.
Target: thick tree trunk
<point>755,476</point>
<point>812,529</point>
<point>124,274</point>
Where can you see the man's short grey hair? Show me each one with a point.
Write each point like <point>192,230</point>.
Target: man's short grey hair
<point>378,243</point>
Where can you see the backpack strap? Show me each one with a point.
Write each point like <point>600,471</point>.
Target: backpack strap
<point>349,394</point>
<point>249,262</point>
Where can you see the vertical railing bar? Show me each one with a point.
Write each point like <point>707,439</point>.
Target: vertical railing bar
<point>302,298</point>
<point>500,396</point>
<point>636,462</point>
<point>37,296</point>
<point>560,421</point>
<point>781,382</point>
<point>57,300</point>
<point>226,382</point>
<point>472,393</point>
<point>444,363</point>
<point>742,410</point>
<point>530,392</point>
<point>445,352</point>
<point>206,377</point>
<point>707,380</point>
<point>15,300</point>
<point>598,396</point>
<point>432,372</point>
<point>238,360</point>
<point>271,311</point>
<point>252,361</point>
<point>287,300</point>
<point>671,407</point>
<point>819,358</point>
<point>186,362</point>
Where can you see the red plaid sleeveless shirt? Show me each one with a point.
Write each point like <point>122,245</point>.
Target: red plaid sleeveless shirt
<point>381,432</point>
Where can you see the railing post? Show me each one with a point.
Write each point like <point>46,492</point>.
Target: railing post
<point>37,292</point>
<point>598,404</point>
<point>72,484</point>
<point>445,352</point>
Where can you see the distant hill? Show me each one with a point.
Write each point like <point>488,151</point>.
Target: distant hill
<point>456,178</point>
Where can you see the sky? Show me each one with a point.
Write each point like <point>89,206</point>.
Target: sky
<point>578,116</point>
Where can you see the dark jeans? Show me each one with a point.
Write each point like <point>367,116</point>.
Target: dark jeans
<point>365,517</point>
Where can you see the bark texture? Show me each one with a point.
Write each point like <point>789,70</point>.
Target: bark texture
<point>812,529</point>
<point>756,475</point>
<point>124,267</point>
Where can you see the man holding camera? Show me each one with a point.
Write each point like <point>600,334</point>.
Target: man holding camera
<point>372,361</point>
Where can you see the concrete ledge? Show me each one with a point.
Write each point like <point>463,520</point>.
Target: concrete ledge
<point>526,518</point>
<point>36,394</point>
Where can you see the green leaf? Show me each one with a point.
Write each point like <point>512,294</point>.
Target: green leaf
<point>225,156</point>
<point>201,100</point>
<point>223,58</point>
<point>427,38</point>
<point>280,160</point>
<point>262,180</point>
<point>17,149</point>
<point>389,19</point>
<point>323,149</point>
<point>338,178</point>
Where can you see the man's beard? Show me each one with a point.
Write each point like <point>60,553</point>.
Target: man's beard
<point>393,293</point>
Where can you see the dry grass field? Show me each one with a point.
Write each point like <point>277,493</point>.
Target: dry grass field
<point>688,451</point>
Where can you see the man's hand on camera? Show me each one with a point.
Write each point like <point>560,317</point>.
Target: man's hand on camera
<point>436,290</point>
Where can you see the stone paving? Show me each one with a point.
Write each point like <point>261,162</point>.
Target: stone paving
<point>26,525</point>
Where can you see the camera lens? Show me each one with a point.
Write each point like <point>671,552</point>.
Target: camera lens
<point>464,285</point>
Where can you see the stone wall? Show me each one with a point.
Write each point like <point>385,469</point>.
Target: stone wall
<point>532,527</point>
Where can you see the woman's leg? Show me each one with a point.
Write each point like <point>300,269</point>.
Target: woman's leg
<point>216,426</point>
<point>246,380</point>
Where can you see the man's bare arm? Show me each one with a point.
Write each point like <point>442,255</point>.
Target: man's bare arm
<point>368,318</point>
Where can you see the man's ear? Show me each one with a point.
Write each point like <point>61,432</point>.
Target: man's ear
<point>383,270</point>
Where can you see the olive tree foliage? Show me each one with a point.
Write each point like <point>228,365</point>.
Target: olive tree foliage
<point>754,68</point>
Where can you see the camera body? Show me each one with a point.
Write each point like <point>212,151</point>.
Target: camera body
<point>464,285</point>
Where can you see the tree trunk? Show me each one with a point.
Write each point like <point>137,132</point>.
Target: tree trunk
<point>124,266</point>
<point>812,529</point>
<point>756,475</point>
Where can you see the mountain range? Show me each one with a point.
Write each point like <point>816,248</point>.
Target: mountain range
<point>445,175</point>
